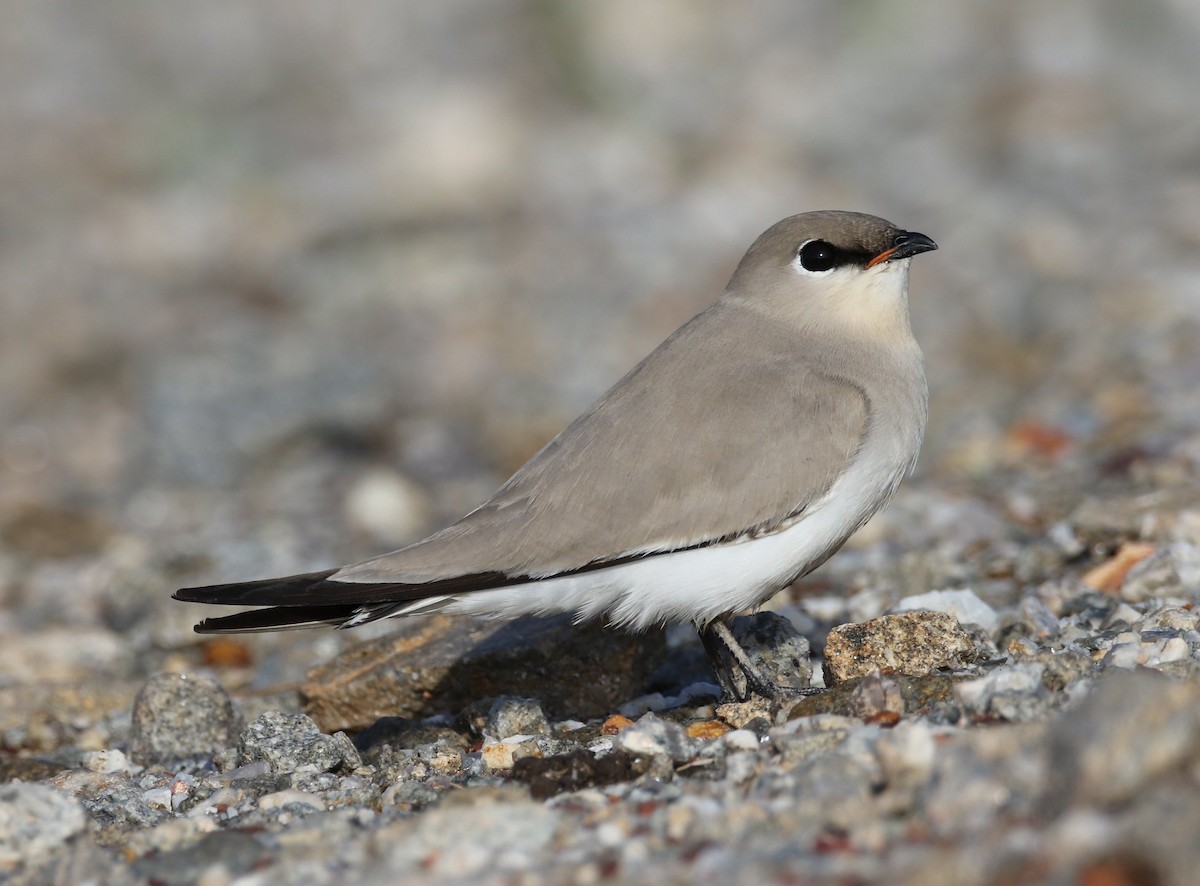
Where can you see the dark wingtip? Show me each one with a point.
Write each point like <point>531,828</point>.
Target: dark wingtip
<point>282,618</point>
<point>265,592</point>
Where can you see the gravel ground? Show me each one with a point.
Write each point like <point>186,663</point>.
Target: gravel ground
<point>283,287</point>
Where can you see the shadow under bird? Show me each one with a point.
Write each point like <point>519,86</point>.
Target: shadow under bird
<point>734,459</point>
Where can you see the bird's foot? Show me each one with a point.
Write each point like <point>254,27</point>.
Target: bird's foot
<point>736,672</point>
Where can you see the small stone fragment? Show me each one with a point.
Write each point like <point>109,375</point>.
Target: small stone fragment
<point>707,729</point>
<point>387,505</point>
<point>1168,618</point>
<point>1130,650</point>
<point>502,754</point>
<point>653,737</point>
<point>997,693</point>
<point>107,762</point>
<point>911,643</point>
<point>615,724</point>
<point>741,740</point>
<point>223,651</point>
<point>516,716</point>
<point>179,717</point>
<point>292,741</point>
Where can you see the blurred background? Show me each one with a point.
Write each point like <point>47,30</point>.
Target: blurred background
<point>290,283</point>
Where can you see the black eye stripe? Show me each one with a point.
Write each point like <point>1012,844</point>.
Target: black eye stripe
<point>820,255</point>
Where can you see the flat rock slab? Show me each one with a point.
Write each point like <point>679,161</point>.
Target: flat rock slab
<point>442,663</point>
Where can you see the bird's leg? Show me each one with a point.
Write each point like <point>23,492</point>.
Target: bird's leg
<point>738,682</point>
<point>723,664</point>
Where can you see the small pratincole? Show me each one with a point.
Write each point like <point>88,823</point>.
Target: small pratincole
<point>734,459</point>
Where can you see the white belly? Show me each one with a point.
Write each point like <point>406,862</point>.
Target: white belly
<point>701,583</point>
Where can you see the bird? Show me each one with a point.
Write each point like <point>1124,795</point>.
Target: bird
<point>733,460</point>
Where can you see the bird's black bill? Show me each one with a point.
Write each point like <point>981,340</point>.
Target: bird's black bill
<point>910,243</point>
<point>906,244</point>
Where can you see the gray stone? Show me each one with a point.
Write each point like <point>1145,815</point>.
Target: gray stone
<point>516,716</point>
<point>180,717</point>
<point>653,737</point>
<point>1011,692</point>
<point>292,741</point>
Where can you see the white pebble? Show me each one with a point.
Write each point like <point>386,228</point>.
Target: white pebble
<point>963,604</point>
<point>107,762</point>
<point>741,740</point>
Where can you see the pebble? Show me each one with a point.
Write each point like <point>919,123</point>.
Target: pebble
<point>653,737</point>
<point>741,740</point>
<point>516,716</point>
<point>504,753</point>
<point>180,717</point>
<point>108,761</point>
<point>908,643</point>
<point>994,692</point>
<point>1129,650</point>
<point>288,742</point>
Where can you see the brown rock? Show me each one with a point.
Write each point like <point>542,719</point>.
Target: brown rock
<point>706,729</point>
<point>443,663</point>
<point>906,643</point>
<point>615,724</point>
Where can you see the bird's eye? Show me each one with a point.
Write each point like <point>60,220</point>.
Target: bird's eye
<point>817,256</point>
